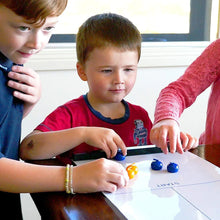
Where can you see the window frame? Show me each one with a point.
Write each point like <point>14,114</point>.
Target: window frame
<point>200,22</point>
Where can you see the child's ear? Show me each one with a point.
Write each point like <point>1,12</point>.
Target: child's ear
<point>81,71</point>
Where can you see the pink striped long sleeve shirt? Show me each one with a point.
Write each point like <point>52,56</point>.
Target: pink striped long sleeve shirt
<point>178,95</point>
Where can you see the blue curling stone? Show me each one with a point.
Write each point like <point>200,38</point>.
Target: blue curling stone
<point>119,156</point>
<point>156,165</point>
<point>172,167</point>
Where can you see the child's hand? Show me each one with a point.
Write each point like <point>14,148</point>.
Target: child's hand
<point>99,175</point>
<point>27,86</point>
<point>106,139</point>
<point>163,131</point>
<point>188,141</point>
<point>168,130</point>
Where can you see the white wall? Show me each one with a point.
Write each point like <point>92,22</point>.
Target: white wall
<point>159,65</point>
<point>61,86</point>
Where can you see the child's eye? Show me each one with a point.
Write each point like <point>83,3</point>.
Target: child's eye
<point>128,69</point>
<point>23,28</point>
<point>107,71</point>
<point>48,29</point>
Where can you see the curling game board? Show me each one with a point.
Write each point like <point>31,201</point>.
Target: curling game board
<point>192,193</point>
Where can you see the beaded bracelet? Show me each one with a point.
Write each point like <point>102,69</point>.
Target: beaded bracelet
<point>69,179</point>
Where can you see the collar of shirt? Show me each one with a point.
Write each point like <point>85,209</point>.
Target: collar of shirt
<point>5,63</point>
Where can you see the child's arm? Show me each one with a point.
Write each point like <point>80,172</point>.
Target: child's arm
<point>168,130</point>
<point>26,83</point>
<point>42,145</point>
<point>18,177</point>
<point>99,175</point>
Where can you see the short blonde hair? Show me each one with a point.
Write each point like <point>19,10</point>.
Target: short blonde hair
<point>104,30</point>
<point>35,11</point>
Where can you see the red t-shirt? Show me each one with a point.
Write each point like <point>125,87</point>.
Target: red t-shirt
<point>134,127</point>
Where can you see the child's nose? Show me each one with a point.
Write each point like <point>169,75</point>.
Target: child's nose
<point>35,41</point>
<point>119,77</point>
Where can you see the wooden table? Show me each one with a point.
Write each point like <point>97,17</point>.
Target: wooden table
<point>59,205</point>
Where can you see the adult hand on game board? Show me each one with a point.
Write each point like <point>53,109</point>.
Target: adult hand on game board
<point>106,139</point>
<point>99,175</point>
<point>168,131</point>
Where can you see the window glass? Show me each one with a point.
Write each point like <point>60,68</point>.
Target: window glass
<point>150,16</point>
<point>157,20</point>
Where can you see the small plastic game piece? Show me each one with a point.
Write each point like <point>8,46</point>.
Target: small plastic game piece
<point>135,168</point>
<point>132,170</point>
<point>172,167</point>
<point>119,156</point>
<point>156,165</point>
<point>131,173</point>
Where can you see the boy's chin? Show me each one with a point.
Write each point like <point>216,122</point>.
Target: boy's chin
<point>20,60</point>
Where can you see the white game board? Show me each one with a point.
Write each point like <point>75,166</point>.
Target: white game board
<point>193,193</point>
